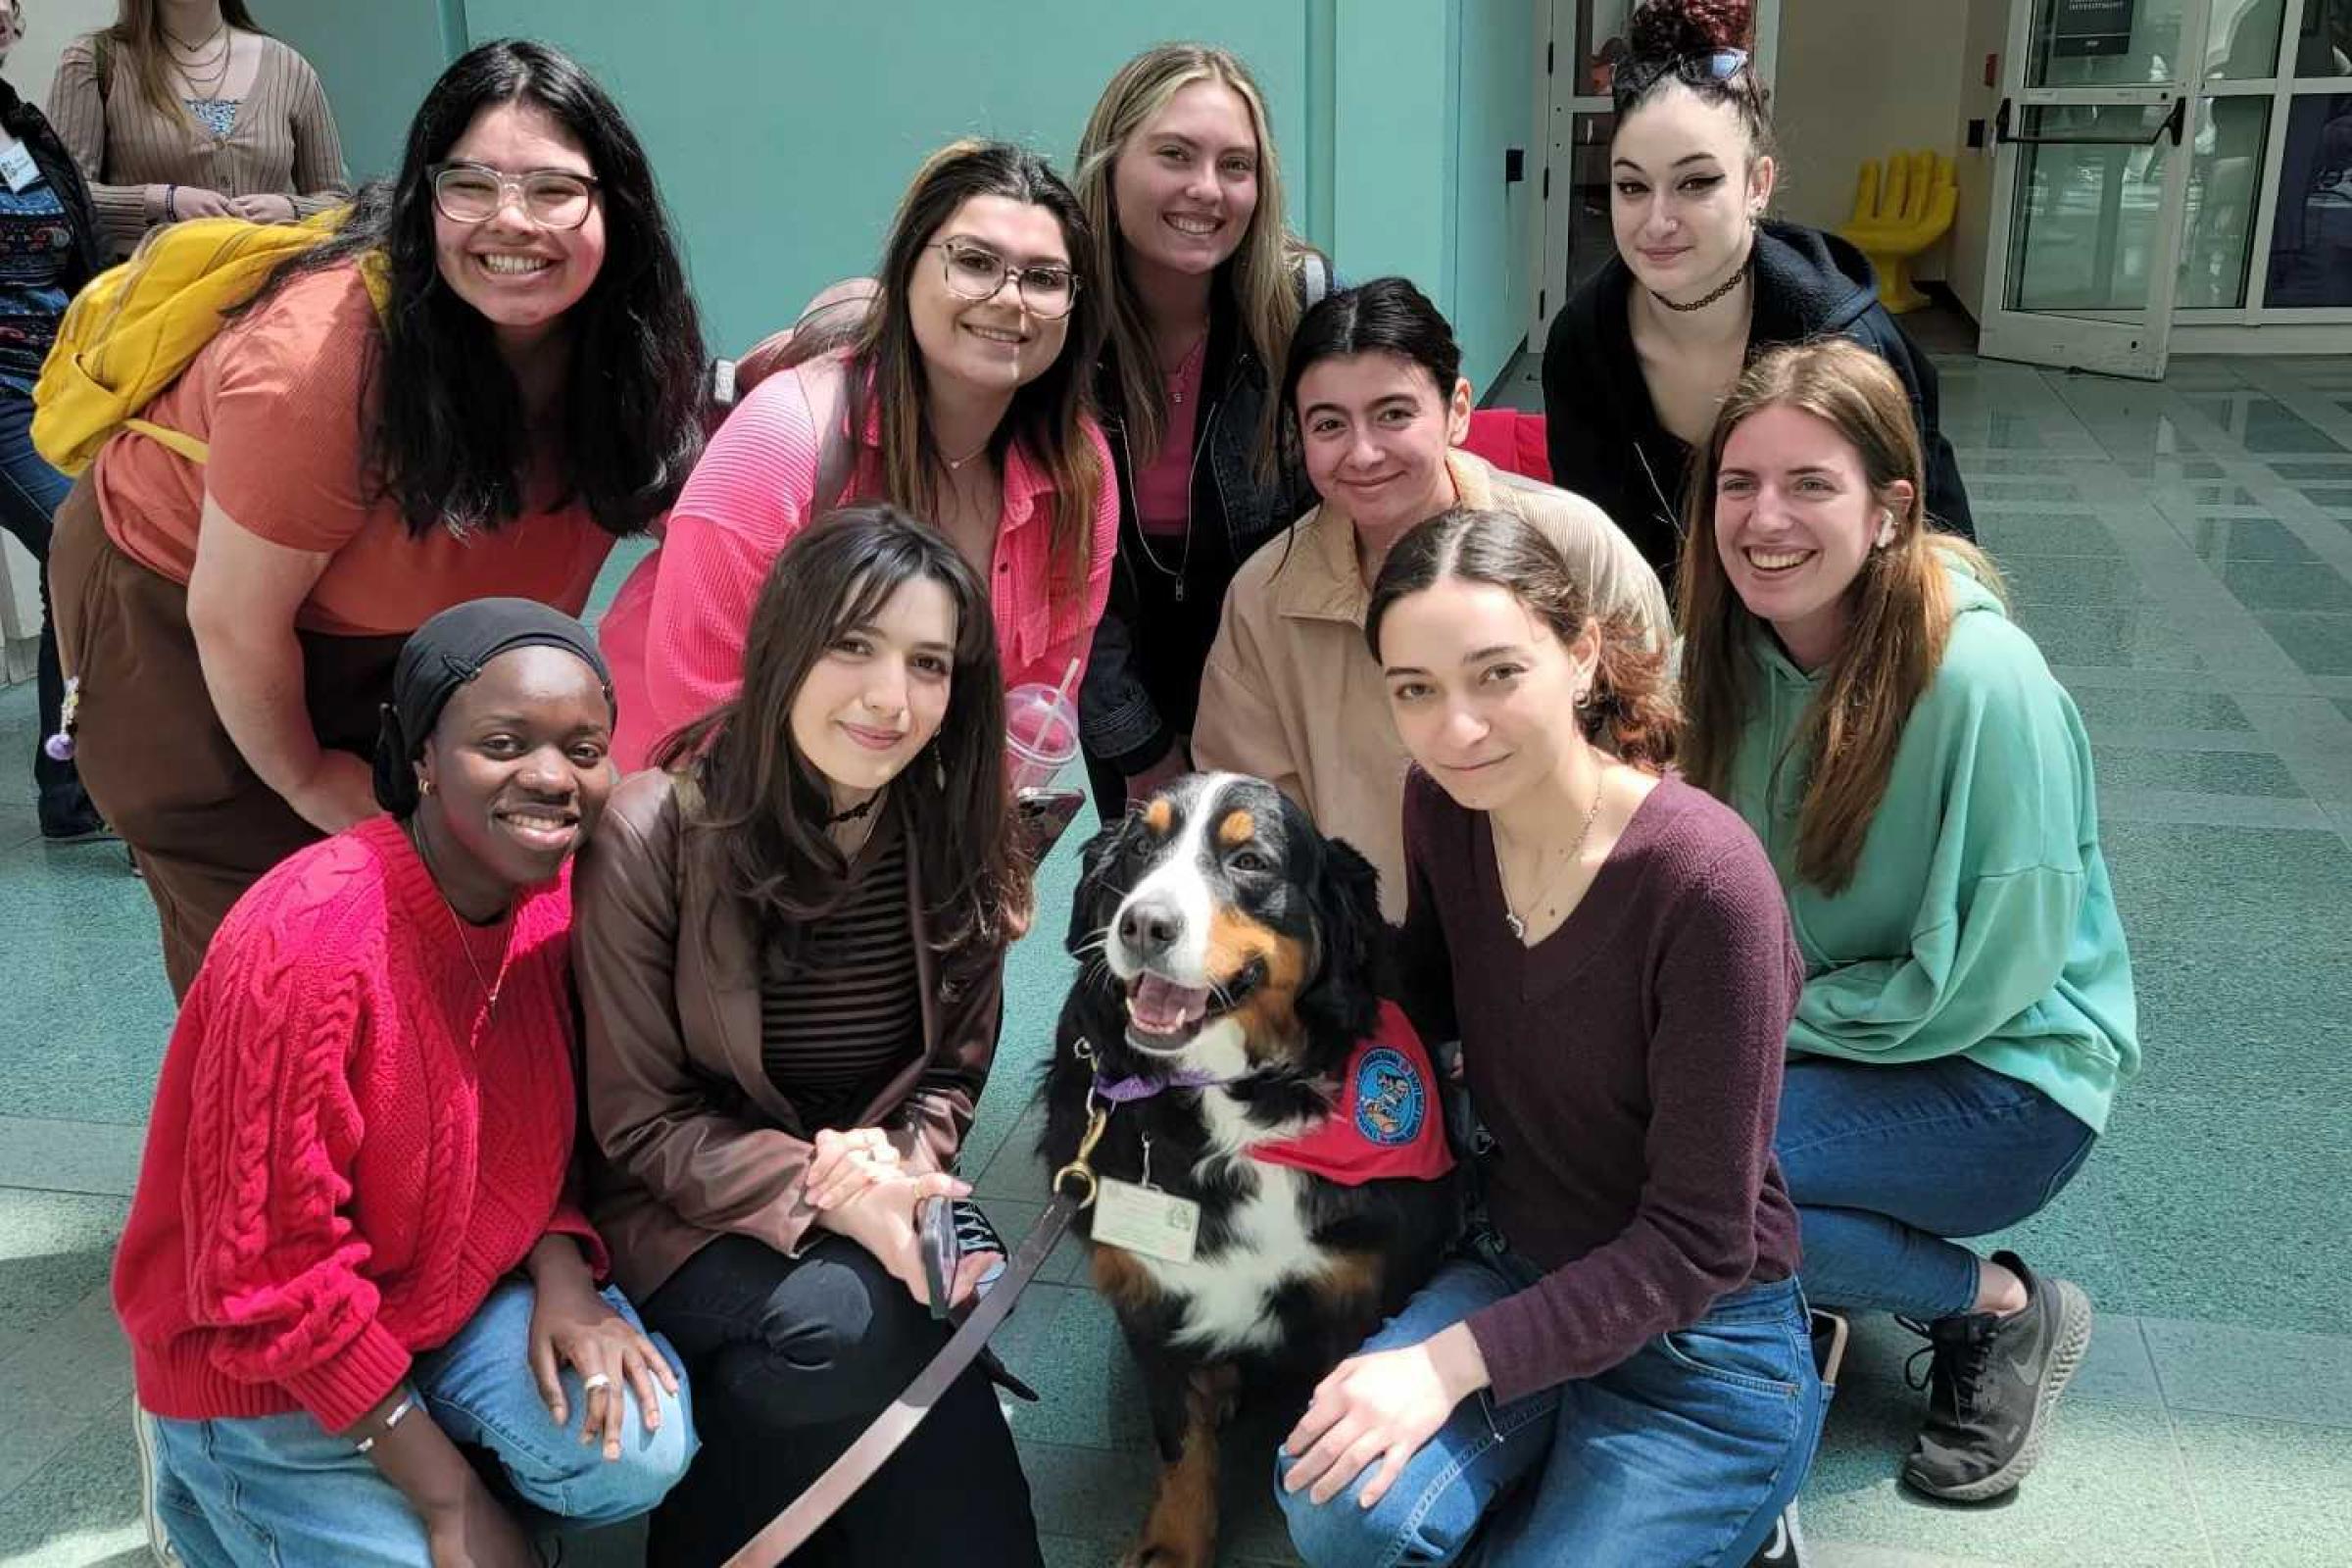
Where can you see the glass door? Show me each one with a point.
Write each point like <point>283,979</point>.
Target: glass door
<point>2091,182</point>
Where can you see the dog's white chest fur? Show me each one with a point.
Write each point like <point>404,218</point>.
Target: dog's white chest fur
<point>1227,1297</point>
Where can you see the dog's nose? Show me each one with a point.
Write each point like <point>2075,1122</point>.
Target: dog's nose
<point>1149,927</point>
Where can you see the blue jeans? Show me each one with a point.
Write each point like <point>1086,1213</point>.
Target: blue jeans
<point>1684,1454</point>
<point>29,493</point>
<point>282,1491</point>
<point>1886,1163</point>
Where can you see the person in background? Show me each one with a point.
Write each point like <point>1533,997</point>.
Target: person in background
<point>49,247</point>
<point>1857,692</point>
<point>1374,407</point>
<point>1178,175</point>
<point>963,399</point>
<point>531,390</point>
<point>791,962</point>
<point>1615,1368</point>
<point>1642,354</point>
<point>187,109</point>
<point>353,1247</point>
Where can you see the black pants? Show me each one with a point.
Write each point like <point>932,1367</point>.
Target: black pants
<point>790,1360</point>
<point>29,494</point>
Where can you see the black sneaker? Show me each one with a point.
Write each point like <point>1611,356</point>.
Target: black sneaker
<point>1785,1547</point>
<point>1992,1386</point>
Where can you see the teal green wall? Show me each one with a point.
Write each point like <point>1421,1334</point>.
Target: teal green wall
<point>785,132</point>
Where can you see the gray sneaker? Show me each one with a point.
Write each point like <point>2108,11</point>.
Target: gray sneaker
<point>1993,1384</point>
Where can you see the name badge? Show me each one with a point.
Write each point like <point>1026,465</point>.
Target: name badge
<point>1145,1220</point>
<point>17,164</point>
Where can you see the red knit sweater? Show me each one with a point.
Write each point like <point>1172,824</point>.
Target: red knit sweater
<point>345,1155</point>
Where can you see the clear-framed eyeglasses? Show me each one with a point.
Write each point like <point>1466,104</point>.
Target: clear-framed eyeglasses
<point>475,193</point>
<point>973,272</point>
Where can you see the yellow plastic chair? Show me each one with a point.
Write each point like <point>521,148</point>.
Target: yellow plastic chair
<point>1901,216</point>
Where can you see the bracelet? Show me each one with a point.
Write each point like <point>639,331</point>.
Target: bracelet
<point>170,204</point>
<point>406,1402</point>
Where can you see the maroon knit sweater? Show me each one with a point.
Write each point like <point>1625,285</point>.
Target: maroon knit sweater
<point>1628,1065</point>
<point>346,1153</point>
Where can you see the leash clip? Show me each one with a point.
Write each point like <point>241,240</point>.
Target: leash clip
<point>1078,1177</point>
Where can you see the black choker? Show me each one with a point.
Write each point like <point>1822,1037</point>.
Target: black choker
<point>1728,284</point>
<point>856,811</point>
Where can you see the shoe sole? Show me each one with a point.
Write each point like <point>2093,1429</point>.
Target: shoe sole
<point>2066,1356</point>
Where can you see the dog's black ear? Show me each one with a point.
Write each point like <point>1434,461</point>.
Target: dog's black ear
<point>1090,906</point>
<point>1351,941</point>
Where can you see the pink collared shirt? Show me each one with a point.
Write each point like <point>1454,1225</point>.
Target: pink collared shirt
<point>675,632</point>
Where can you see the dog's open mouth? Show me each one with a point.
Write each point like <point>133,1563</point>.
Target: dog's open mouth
<point>1163,1015</point>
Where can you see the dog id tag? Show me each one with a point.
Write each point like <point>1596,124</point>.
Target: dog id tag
<point>1145,1220</point>
<point>16,165</point>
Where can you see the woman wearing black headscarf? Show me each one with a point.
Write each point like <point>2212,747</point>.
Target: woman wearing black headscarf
<point>354,1246</point>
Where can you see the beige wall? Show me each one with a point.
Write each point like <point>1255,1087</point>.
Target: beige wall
<point>1859,79</point>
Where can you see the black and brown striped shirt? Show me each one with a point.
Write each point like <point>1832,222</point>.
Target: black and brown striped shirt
<point>844,1013</point>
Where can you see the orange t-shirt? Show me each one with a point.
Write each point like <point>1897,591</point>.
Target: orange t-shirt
<point>279,397</point>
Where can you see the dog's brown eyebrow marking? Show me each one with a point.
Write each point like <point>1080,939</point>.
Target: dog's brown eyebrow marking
<point>1160,816</point>
<point>1238,828</point>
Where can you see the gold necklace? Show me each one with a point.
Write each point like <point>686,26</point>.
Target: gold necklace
<point>489,988</point>
<point>1511,916</point>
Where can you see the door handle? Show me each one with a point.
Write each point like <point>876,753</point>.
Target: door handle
<point>2175,124</point>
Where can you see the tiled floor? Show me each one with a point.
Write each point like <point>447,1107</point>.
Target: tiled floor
<point>2182,552</point>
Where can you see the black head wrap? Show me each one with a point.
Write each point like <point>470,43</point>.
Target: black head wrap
<point>443,655</point>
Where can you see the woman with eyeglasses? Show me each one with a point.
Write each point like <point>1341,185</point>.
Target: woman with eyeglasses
<point>963,399</point>
<point>1644,351</point>
<point>488,374</point>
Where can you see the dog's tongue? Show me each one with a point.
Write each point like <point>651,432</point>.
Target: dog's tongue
<point>1162,1007</point>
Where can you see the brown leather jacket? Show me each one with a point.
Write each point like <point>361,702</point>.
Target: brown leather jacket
<point>695,1140</point>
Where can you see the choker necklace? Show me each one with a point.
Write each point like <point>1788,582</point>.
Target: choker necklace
<point>853,812</point>
<point>1724,287</point>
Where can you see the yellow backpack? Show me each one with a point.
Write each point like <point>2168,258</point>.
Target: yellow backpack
<point>133,329</point>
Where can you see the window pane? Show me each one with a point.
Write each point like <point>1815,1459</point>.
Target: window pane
<point>2242,41</point>
<point>2086,216</point>
<point>1600,28</point>
<point>2310,233</point>
<point>2325,48</point>
<point>2217,245</point>
<point>2103,43</point>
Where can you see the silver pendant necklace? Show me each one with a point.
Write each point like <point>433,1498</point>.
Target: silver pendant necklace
<point>1503,887</point>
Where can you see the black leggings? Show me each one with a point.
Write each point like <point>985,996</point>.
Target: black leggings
<point>790,1358</point>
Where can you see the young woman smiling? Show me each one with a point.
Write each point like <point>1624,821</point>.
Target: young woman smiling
<point>1373,402</point>
<point>1858,694</point>
<point>1615,1367</point>
<point>353,1248</point>
<point>963,399</point>
<point>531,389</point>
<point>1178,175</point>
<point>791,947</point>
<point>1639,359</point>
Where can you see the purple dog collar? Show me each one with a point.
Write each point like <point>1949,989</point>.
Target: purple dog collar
<point>1122,1091</point>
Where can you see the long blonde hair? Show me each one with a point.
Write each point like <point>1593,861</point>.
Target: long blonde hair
<point>1899,608</point>
<point>1261,275</point>
<point>139,33</point>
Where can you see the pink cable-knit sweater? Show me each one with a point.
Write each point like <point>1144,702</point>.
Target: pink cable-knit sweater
<point>675,632</point>
<point>346,1152</point>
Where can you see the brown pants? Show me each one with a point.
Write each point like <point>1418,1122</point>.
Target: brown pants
<point>152,749</point>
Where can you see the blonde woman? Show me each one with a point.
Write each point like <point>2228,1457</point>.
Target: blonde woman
<point>187,109</point>
<point>1178,175</point>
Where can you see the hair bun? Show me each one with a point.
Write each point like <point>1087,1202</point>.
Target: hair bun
<point>1673,30</point>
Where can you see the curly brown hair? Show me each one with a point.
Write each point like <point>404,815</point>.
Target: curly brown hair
<point>1633,712</point>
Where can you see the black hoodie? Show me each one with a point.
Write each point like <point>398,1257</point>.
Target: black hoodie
<point>1606,442</point>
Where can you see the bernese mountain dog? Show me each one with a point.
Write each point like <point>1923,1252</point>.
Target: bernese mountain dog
<point>1273,1172</point>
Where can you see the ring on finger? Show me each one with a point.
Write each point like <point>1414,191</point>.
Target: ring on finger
<point>595,1381</point>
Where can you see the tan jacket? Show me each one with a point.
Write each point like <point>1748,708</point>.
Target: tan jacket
<point>693,1137</point>
<point>1291,695</point>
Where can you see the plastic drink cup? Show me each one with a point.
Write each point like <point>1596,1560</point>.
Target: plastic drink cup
<point>1041,734</point>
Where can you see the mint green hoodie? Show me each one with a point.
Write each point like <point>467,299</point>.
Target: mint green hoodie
<point>1979,921</point>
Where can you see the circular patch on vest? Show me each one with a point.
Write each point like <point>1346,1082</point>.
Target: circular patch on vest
<point>1389,1100</point>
